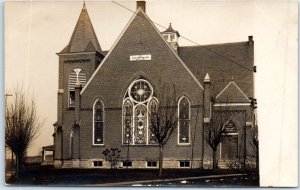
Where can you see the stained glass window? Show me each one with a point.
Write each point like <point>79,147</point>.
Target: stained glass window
<point>98,122</point>
<point>140,91</point>
<point>140,124</point>
<point>127,121</point>
<point>153,106</point>
<point>184,121</point>
<point>137,104</point>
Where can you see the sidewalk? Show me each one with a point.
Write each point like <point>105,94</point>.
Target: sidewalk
<point>128,183</point>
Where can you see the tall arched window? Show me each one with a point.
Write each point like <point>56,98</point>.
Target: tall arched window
<point>127,121</point>
<point>140,124</point>
<point>184,121</point>
<point>75,74</point>
<point>98,120</point>
<point>137,103</point>
<point>153,114</point>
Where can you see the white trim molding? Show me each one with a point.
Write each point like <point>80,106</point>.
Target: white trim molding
<point>77,53</point>
<point>230,104</point>
<point>232,82</point>
<point>60,91</point>
<point>103,128</point>
<point>249,124</point>
<point>206,120</point>
<point>178,122</point>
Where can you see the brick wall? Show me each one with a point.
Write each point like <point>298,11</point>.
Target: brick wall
<point>110,84</point>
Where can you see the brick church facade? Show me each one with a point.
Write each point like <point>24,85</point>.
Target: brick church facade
<point>104,97</point>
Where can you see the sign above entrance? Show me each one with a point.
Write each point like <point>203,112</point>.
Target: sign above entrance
<point>140,57</point>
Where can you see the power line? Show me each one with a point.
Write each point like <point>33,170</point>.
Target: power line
<point>224,57</point>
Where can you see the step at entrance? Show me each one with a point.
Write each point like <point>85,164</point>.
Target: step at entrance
<point>67,164</point>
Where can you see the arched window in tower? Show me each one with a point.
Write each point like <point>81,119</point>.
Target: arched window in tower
<point>74,76</point>
<point>136,107</point>
<point>98,120</point>
<point>184,121</point>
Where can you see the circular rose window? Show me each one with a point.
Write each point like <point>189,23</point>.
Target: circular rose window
<point>141,91</point>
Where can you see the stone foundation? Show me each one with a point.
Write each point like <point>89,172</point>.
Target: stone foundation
<point>57,163</point>
<point>167,163</point>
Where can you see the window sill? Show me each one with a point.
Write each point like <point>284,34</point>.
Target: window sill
<point>184,144</point>
<point>98,145</point>
<point>141,145</point>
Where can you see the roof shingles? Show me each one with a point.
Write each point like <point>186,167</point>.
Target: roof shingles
<point>84,37</point>
<point>221,71</point>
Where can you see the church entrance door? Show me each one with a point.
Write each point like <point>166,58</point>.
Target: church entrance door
<point>229,147</point>
<point>229,142</point>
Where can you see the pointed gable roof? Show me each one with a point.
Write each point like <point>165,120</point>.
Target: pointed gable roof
<point>84,37</point>
<point>140,36</point>
<point>233,94</point>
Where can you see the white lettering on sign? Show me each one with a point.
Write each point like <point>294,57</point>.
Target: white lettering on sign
<point>140,57</point>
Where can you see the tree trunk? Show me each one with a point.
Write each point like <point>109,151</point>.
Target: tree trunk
<point>160,159</point>
<point>18,165</point>
<point>111,163</point>
<point>214,159</point>
<point>12,163</point>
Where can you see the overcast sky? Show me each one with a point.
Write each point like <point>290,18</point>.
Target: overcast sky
<point>35,31</point>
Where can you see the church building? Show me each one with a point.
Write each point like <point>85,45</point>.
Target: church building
<point>105,97</point>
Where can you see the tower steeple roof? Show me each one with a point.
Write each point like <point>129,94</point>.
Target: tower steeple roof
<point>171,30</point>
<point>84,37</point>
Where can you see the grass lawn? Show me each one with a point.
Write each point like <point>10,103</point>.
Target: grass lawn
<point>65,177</point>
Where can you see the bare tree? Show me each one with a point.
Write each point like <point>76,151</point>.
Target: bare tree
<point>112,155</point>
<point>217,130</point>
<point>164,119</point>
<point>214,133</point>
<point>21,125</point>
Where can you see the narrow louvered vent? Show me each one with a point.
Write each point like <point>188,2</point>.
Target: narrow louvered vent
<point>74,74</point>
<point>73,79</point>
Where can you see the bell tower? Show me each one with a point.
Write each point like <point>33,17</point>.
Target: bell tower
<point>77,62</point>
<point>79,59</point>
<point>172,37</point>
